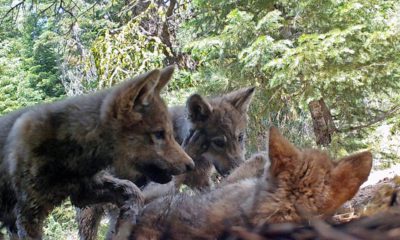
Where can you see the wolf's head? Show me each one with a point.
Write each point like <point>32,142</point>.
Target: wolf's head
<point>310,179</point>
<point>142,129</point>
<point>224,121</point>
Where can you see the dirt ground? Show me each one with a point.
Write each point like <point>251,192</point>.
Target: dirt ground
<point>373,198</point>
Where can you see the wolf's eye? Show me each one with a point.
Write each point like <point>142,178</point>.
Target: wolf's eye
<point>241,137</point>
<point>160,135</point>
<point>219,141</point>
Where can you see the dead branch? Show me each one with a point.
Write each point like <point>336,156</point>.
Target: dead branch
<point>390,113</point>
<point>16,6</point>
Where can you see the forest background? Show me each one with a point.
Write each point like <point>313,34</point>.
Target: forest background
<point>327,72</point>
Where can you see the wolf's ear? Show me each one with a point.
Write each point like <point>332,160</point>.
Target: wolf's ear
<point>138,91</point>
<point>241,98</point>
<point>282,154</point>
<point>349,174</point>
<point>165,77</point>
<point>198,108</point>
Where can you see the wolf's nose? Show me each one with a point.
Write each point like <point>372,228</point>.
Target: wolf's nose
<point>190,166</point>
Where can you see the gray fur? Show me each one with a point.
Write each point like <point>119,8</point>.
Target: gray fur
<point>53,151</point>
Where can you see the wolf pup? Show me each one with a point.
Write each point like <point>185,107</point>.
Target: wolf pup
<point>54,151</point>
<point>219,122</point>
<point>223,122</point>
<point>294,182</point>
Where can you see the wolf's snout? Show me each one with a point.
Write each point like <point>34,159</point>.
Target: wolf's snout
<point>190,166</point>
<point>181,161</point>
<point>183,167</point>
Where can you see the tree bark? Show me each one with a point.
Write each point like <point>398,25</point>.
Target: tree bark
<point>322,122</point>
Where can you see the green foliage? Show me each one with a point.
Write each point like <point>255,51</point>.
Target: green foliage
<point>346,52</point>
<point>297,51</point>
<point>40,57</point>
<point>61,223</point>
<point>28,62</point>
<point>120,55</point>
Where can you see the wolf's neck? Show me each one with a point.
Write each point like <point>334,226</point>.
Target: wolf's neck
<point>83,115</point>
<point>252,201</point>
<point>232,204</point>
<point>274,205</point>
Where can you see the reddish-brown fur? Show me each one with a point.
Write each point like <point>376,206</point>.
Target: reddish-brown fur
<point>294,182</point>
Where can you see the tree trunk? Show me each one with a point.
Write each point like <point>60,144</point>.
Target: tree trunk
<point>322,122</point>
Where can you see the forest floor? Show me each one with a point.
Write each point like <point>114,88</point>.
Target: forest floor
<point>376,194</point>
<point>379,175</point>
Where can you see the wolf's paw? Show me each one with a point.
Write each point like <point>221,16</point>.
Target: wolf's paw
<point>260,158</point>
<point>129,212</point>
<point>131,193</point>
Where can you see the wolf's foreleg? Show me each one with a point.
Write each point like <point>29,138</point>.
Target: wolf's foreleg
<point>113,214</point>
<point>200,177</point>
<point>195,144</point>
<point>31,213</point>
<point>105,188</point>
<point>88,219</point>
<point>251,168</point>
<point>12,232</point>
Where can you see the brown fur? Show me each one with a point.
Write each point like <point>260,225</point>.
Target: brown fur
<point>251,168</point>
<point>57,150</point>
<point>195,125</point>
<point>294,182</point>
<point>224,121</point>
<point>93,212</point>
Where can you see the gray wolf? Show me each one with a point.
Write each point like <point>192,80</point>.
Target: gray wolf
<point>218,123</point>
<point>294,182</point>
<point>58,150</point>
